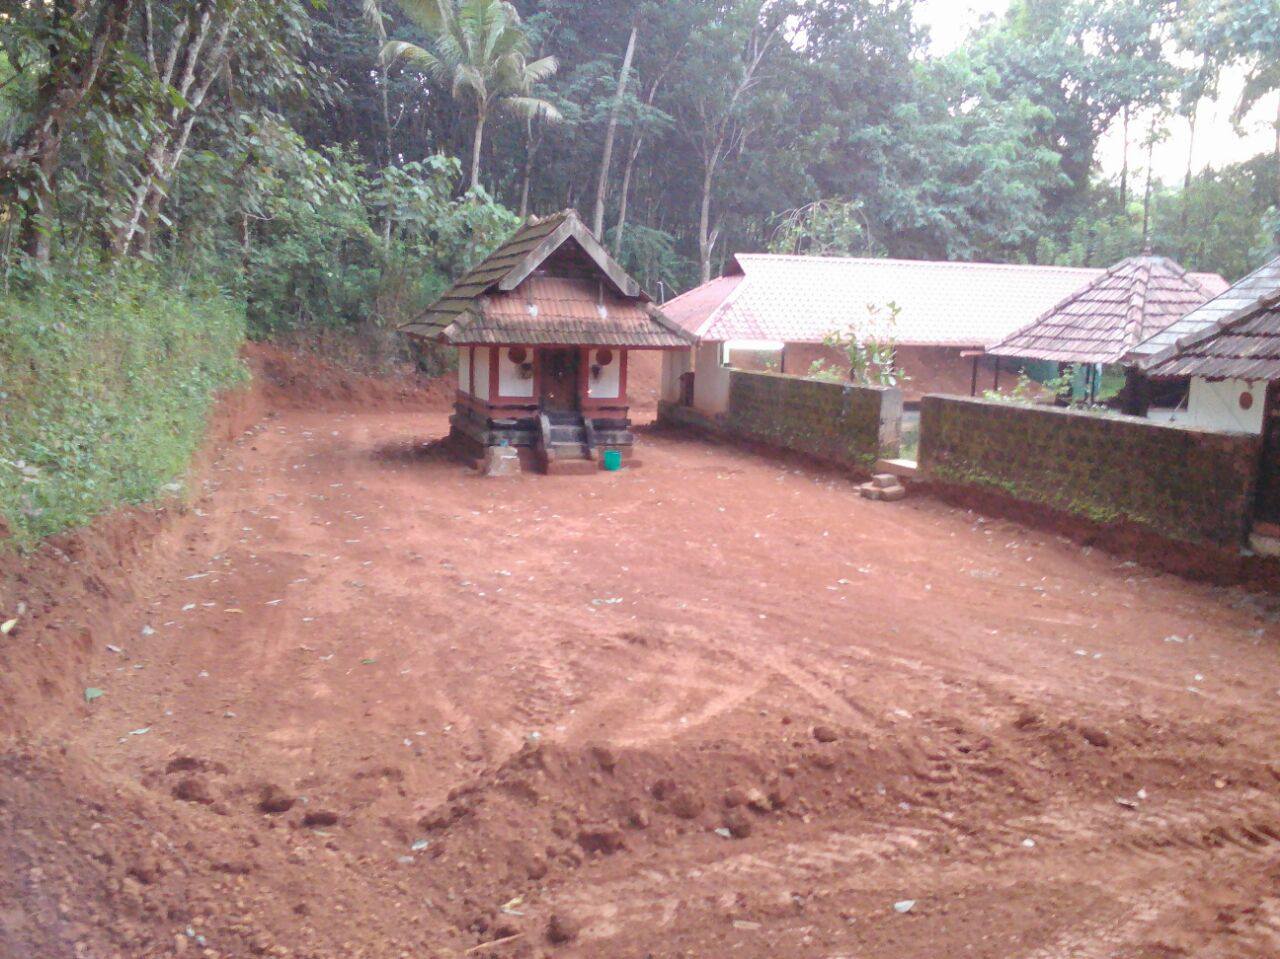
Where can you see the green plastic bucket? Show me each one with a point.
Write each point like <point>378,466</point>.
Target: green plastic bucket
<point>613,460</point>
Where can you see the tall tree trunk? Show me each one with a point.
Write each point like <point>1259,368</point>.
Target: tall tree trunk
<point>74,73</point>
<point>159,190</point>
<point>383,78</point>
<point>162,158</point>
<point>706,235</point>
<point>1277,197</point>
<point>38,221</point>
<point>1192,118</point>
<point>1124,165</point>
<point>532,145</point>
<point>632,158</point>
<point>625,191</point>
<point>477,146</point>
<point>602,184</point>
<point>1146,195</point>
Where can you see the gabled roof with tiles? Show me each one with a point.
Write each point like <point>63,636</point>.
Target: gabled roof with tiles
<point>802,299</point>
<point>1262,282</point>
<point>552,283</point>
<point>1244,345</point>
<point>1135,299</point>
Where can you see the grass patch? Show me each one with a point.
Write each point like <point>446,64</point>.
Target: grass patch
<point>105,390</point>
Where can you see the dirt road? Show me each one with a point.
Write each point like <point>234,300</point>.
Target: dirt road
<point>371,705</point>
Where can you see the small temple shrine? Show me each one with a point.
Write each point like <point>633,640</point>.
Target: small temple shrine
<point>543,328</point>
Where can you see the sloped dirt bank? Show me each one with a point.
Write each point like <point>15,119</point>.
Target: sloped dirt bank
<point>64,594</point>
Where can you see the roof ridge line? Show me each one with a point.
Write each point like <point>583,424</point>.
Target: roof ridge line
<point>723,308</point>
<point>1057,307</point>
<point>1137,303</point>
<point>930,263</point>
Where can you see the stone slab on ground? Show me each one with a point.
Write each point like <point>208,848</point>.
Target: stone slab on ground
<point>886,494</point>
<point>500,461</point>
<point>904,469</point>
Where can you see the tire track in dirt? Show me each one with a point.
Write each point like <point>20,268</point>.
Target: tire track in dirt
<point>1183,833</point>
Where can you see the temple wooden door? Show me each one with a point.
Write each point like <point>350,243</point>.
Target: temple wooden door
<point>560,379</point>
<point>1267,509</point>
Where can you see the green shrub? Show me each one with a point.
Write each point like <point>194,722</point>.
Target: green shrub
<point>105,390</point>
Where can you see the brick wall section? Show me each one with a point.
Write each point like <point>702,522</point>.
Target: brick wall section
<point>840,423</point>
<point>1189,485</point>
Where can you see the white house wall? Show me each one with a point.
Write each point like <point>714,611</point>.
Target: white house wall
<point>675,363</point>
<point>1215,404</point>
<point>710,380</point>
<point>510,381</point>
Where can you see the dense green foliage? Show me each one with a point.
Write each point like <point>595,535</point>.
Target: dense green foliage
<point>259,138</point>
<point>105,388</point>
<point>185,151</point>
<point>300,155</point>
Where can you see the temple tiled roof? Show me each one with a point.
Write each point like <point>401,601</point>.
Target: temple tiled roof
<point>550,284</point>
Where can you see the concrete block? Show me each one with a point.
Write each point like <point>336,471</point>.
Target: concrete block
<point>885,480</point>
<point>500,461</point>
<point>893,494</point>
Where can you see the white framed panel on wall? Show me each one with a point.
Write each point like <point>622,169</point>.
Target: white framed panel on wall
<point>1234,406</point>
<point>605,374</point>
<point>515,372</point>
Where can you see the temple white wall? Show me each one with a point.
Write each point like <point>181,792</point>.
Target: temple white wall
<point>511,379</point>
<point>608,384</point>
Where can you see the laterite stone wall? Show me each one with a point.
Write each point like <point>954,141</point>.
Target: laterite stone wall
<point>838,422</point>
<point>1183,484</point>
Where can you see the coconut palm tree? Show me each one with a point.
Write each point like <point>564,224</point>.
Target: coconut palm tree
<point>479,48</point>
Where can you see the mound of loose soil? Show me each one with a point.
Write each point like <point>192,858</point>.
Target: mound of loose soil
<point>295,379</point>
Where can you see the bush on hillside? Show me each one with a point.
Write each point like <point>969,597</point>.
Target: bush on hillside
<point>105,389</point>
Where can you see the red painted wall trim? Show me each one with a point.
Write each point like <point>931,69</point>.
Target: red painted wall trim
<point>584,377</point>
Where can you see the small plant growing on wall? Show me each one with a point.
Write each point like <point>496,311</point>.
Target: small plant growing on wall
<point>870,345</point>
<point>1024,391</point>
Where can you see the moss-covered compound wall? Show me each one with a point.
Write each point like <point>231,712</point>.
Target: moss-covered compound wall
<point>838,422</point>
<point>1183,484</point>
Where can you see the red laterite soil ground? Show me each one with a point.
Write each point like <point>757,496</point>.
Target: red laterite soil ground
<point>358,702</point>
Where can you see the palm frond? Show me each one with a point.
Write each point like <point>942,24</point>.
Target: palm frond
<point>531,108</point>
<point>539,71</point>
<point>451,51</point>
<point>468,77</point>
<point>420,57</point>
